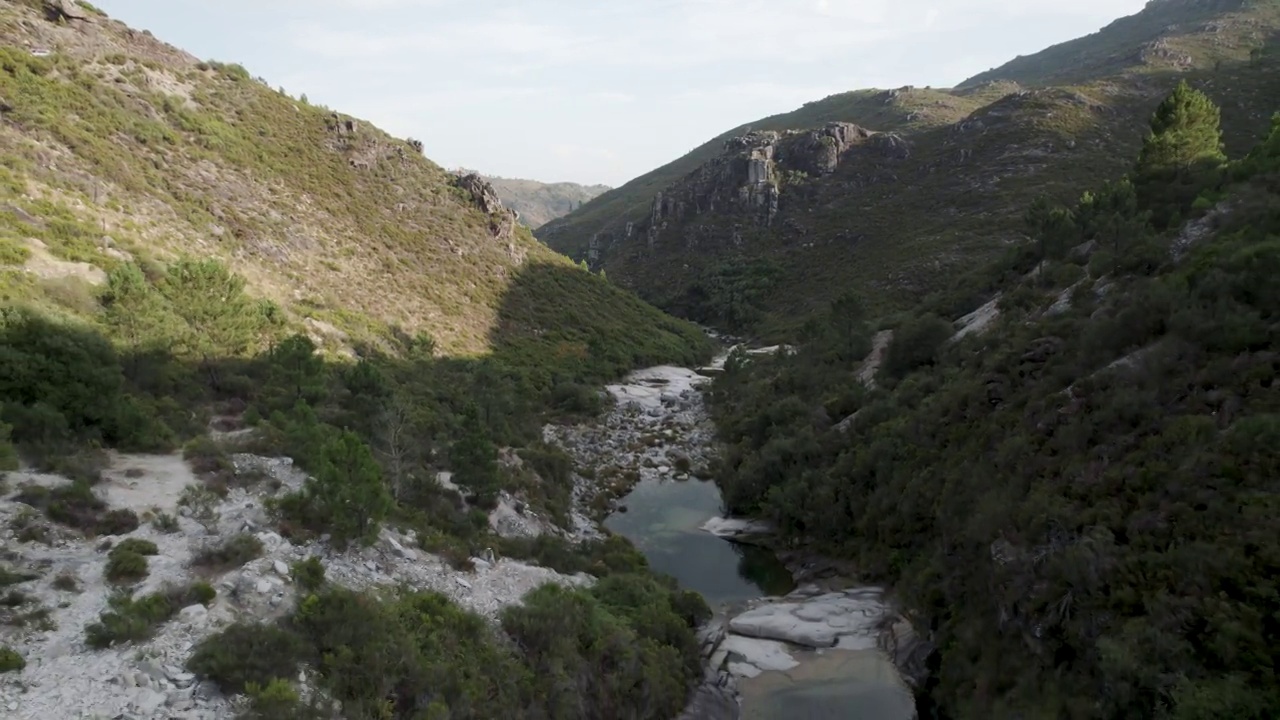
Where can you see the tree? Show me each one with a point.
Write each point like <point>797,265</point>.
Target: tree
<point>474,458</point>
<point>295,373</point>
<point>348,489</point>
<point>847,321</point>
<point>1181,154</point>
<point>1054,228</point>
<point>394,438</point>
<point>137,314</point>
<point>8,454</point>
<point>220,319</point>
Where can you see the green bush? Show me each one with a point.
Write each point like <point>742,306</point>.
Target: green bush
<point>244,654</point>
<point>232,553</point>
<point>915,344</point>
<point>202,592</point>
<point>10,660</point>
<point>129,619</point>
<point>12,252</point>
<point>125,567</point>
<point>136,545</point>
<point>308,574</point>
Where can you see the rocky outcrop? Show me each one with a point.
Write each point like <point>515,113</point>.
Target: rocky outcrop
<point>741,530</point>
<point>64,11</point>
<point>502,221</point>
<point>747,175</point>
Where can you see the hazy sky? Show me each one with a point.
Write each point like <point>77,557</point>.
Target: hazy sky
<point>600,90</point>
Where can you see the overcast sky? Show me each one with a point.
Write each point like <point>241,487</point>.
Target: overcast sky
<point>600,91</point>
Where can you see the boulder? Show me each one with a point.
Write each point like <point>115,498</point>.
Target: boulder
<point>849,620</point>
<point>64,10</point>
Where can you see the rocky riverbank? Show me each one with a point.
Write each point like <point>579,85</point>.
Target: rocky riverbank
<point>657,428</point>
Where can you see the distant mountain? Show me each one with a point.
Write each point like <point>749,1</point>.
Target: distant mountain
<point>539,203</point>
<point>892,192</point>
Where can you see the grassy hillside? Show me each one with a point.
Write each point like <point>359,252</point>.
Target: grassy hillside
<point>117,147</point>
<point>179,243</point>
<point>899,225</point>
<point>1077,502</point>
<point>539,203</point>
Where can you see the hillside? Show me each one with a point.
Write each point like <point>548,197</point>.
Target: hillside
<point>1072,488</point>
<point>116,146</point>
<point>538,203</point>
<point>273,388</point>
<point>759,227</point>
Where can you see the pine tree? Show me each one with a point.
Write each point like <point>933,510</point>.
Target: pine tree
<point>296,373</point>
<point>139,317</point>
<point>349,490</point>
<point>1181,155</point>
<point>1185,133</point>
<point>221,320</point>
<point>474,458</point>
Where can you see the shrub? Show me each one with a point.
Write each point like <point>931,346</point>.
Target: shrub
<point>231,554</point>
<point>247,653</point>
<point>13,577</point>
<point>76,506</point>
<point>125,567</point>
<point>202,503</point>
<point>309,574</point>
<point>202,592</point>
<point>165,523</point>
<point>131,620</point>
<point>10,660</point>
<point>66,581</point>
<point>915,344</point>
<point>136,545</point>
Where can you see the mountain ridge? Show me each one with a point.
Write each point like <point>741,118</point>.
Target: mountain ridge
<point>539,202</point>
<point>903,229</point>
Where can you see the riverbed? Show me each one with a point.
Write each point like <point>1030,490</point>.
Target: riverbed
<point>784,652</point>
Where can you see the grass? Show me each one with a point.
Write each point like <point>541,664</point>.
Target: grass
<point>11,660</point>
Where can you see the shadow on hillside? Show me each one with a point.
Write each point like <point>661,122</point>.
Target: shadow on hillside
<point>561,333</point>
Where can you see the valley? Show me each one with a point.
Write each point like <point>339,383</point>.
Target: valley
<point>910,404</point>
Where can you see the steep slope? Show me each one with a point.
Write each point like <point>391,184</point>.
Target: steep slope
<point>538,203</point>
<point>175,240</point>
<point>749,235</point>
<point>1074,489</point>
<point>116,146</point>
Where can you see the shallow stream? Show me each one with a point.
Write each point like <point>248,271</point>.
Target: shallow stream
<point>663,517</point>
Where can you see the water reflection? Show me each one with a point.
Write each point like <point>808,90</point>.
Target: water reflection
<point>664,520</point>
<point>833,685</point>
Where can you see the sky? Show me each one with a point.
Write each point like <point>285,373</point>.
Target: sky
<point>600,91</point>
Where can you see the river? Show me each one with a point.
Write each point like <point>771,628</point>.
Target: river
<point>806,652</point>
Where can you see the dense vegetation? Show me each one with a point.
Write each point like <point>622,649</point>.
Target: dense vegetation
<point>173,349</point>
<point>621,649</point>
<point>1078,506</point>
<point>177,347</point>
